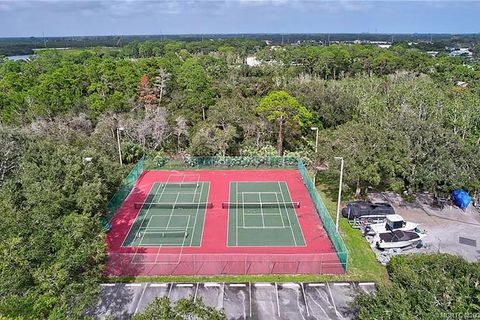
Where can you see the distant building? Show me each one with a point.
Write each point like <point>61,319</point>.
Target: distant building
<point>461,84</point>
<point>384,46</point>
<point>252,61</point>
<point>462,52</point>
<point>433,53</point>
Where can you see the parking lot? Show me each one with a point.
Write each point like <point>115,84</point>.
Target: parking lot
<point>449,230</point>
<point>239,300</point>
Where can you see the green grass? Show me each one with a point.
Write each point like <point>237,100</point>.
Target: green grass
<point>362,263</point>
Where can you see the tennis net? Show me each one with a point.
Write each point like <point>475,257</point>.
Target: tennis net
<point>178,205</point>
<point>226,205</point>
<point>163,234</point>
<point>179,185</point>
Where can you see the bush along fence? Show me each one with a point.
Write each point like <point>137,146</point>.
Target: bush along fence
<point>221,162</point>
<point>123,191</point>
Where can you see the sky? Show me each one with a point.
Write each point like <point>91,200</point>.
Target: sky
<point>137,17</point>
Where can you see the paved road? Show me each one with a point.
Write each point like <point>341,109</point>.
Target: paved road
<point>240,300</point>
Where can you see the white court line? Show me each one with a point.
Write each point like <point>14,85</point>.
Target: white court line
<point>196,213</point>
<point>279,228</point>
<point>164,285</point>
<point>139,211</point>
<point>295,212</point>
<point>181,247</point>
<point>281,215</point>
<point>261,209</point>
<point>143,221</point>
<point>236,215</point>
<point>286,211</point>
<point>243,210</point>
<point>171,212</point>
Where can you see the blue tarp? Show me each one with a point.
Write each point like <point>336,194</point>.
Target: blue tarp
<point>461,198</point>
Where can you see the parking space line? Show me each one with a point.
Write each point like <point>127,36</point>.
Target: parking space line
<point>211,284</point>
<point>366,283</point>
<point>133,285</point>
<point>237,285</point>
<point>184,285</point>
<point>316,284</point>
<point>333,301</point>
<point>107,285</point>
<point>195,295</point>
<point>278,299</point>
<point>223,293</point>
<point>262,284</point>
<point>158,284</point>
<point>289,285</point>
<point>305,299</point>
<point>250,297</point>
<point>170,290</point>
<point>341,284</point>
<point>140,300</point>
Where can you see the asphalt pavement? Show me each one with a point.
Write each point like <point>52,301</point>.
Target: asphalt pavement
<point>291,301</point>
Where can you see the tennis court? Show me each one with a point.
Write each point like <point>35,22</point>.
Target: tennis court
<point>262,214</point>
<point>211,222</point>
<point>172,215</point>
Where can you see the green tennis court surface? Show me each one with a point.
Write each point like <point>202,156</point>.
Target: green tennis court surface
<point>172,215</point>
<point>262,214</point>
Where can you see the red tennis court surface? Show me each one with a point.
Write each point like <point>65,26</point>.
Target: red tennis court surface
<point>214,256</point>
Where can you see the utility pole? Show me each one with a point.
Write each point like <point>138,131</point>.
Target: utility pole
<point>339,191</point>
<point>316,138</point>
<point>119,146</point>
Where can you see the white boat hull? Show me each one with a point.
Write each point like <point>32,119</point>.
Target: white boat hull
<point>382,243</point>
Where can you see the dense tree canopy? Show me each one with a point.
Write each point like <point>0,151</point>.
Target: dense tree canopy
<point>429,286</point>
<point>399,118</point>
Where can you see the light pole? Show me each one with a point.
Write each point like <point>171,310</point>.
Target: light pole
<point>339,190</point>
<point>316,138</point>
<point>120,129</point>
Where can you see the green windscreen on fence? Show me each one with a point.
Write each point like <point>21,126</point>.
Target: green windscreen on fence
<point>322,211</point>
<point>222,162</point>
<point>124,189</point>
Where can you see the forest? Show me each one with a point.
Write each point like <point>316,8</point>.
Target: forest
<point>403,121</point>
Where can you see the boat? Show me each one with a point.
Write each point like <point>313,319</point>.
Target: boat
<point>392,222</point>
<point>397,239</point>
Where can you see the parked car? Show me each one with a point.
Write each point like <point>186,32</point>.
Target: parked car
<point>357,209</point>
